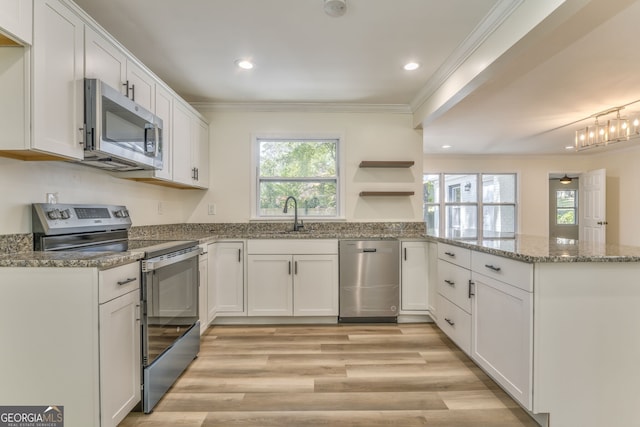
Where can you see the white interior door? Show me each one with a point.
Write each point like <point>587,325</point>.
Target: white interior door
<point>593,198</point>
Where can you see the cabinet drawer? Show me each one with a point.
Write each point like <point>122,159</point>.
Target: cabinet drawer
<point>453,284</point>
<point>118,281</point>
<point>455,323</point>
<point>516,273</point>
<point>455,255</point>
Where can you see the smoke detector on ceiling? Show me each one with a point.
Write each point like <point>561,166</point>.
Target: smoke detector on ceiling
<point>335,8</point>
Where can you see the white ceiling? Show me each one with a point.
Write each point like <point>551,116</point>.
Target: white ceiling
<point>579,60</point>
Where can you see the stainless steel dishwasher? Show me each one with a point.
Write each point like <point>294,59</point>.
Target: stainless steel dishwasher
<point>369,280</point>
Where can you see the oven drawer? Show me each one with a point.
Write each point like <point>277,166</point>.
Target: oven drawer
<point>118,281</point>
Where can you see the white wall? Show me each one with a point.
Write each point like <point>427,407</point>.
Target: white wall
<point>367,136</point>
<point>533,180</point>
<point>23,183</point>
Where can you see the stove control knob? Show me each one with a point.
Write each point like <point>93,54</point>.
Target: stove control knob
<point>121,213</point>
<point>53,214</point>
<point>65,214</point>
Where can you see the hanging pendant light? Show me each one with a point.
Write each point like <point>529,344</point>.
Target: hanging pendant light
<point>565,179</point>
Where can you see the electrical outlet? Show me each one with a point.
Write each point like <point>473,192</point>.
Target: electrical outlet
<point>212,208</point>
<point>52,198</point>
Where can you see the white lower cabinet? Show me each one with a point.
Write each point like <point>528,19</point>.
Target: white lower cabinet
<point>455,322</point>
<point>226,279</point>
<point>502,335</point>
<point>485,305</point>
<point>119,357</point>
<point>454,296</point>
<point>315,286</point>
<point>74,335</point>
<point>414,292</point>
<point>270,285</point>
<point>292,278</point>
<point>120,362</point>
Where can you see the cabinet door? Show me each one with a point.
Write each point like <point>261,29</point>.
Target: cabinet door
<point>270,285</point>
<point>58,75</point>
<point>203,288</point>
<point>103,60</point>
<point>141,86</point>
<point>16,19</point>
<point>119,357</point>
<point>502,335</point>
<point>200,152</point>
<point>227,278</point>
<point>164,105</point>
<point>315,289</point>
<point>182,169</point>
<point>414,294</point>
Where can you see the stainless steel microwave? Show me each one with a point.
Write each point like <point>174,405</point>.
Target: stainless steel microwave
<point>119,134</point>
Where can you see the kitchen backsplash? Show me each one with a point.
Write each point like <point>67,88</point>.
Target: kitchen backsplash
<point>12,243</point>
<point>247,230</point>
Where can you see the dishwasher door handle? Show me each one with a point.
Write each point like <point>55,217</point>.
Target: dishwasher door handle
<point>369,250</point>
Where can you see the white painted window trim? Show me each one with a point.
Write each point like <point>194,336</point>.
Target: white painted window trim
<point>255,154</point>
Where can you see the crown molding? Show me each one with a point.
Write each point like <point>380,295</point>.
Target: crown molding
<point>305,107</point>
<point>496,16</point>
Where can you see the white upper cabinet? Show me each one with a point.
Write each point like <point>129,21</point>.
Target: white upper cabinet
<point>181,138</point>
<point>190,148</point>
<point>58,76</point>
<point>140,86</point>
<point>200,152</point>
<point>16,19</point>
<point>164,107</point>
<point>103,60</point>
<point>42,102</point>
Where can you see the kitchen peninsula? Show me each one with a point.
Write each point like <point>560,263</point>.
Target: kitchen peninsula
<point>554,322</point>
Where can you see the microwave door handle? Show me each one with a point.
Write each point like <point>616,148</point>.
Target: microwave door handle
<point>156,131</point>
<point>155,141</point>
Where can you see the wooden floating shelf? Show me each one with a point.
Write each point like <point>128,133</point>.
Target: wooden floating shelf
<point>387,164</point>
<point>387,193</point>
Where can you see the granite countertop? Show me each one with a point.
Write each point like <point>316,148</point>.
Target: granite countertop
<point>543,249</point>
<point>17,251</point>
<point>101,260</point>
<point>523,248</point>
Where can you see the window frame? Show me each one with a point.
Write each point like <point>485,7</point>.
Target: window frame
<point>255,176</point>
<point>574,207</point>
<point>479,204</point>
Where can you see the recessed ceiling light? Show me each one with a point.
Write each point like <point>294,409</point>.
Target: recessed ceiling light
<point>410,66</point>
<point>446,147</point>
<point>245,64</point>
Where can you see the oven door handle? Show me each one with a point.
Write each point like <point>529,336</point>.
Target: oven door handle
<point>163,261</point>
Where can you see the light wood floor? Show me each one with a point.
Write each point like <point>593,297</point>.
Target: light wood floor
<point>338,375</point>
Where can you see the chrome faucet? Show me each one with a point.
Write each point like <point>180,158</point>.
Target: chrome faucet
<point>296,226</point>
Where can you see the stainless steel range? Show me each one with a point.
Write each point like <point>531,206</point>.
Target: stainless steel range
<point>169,290</point>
